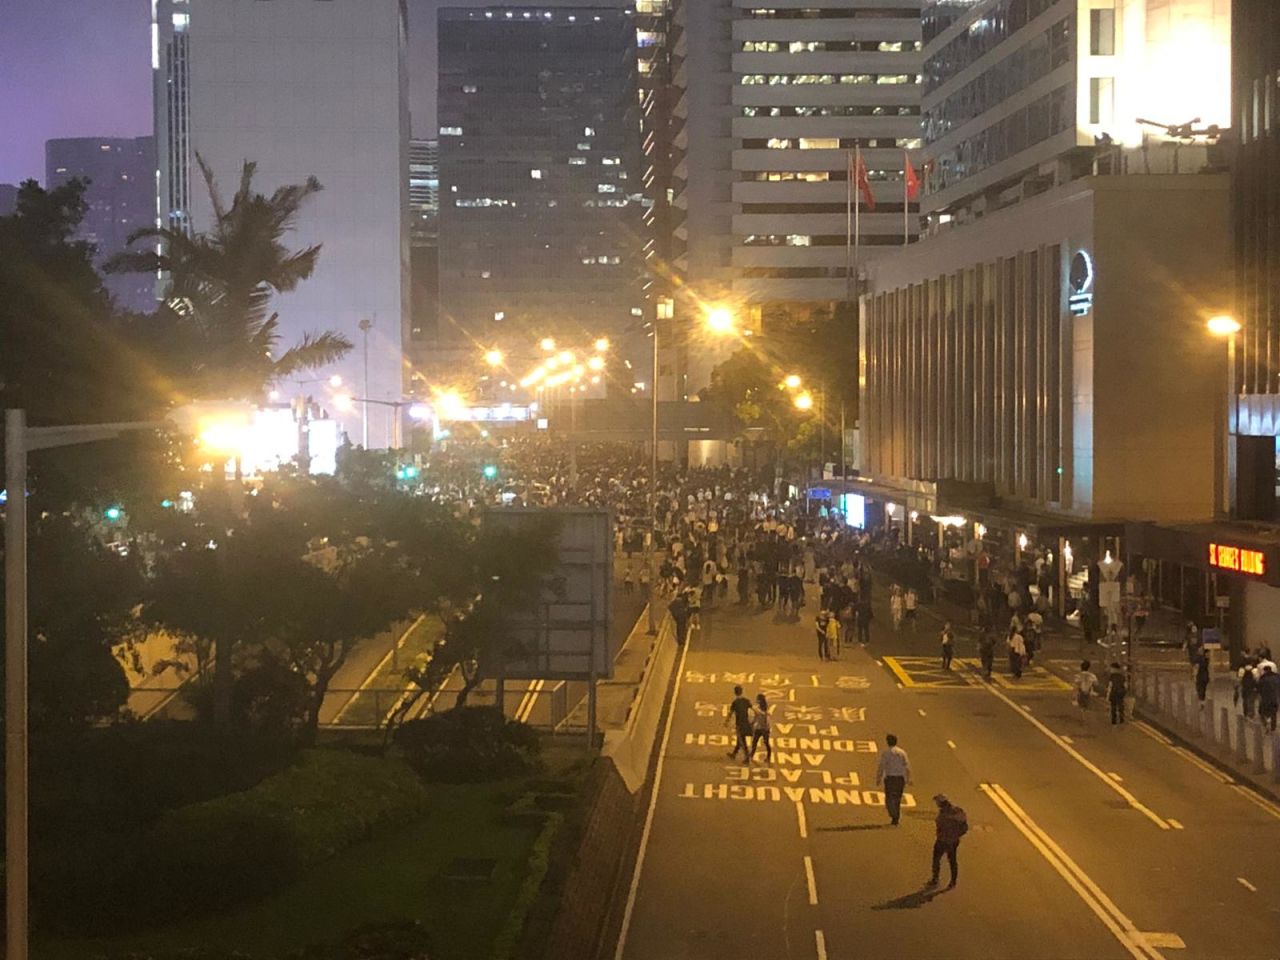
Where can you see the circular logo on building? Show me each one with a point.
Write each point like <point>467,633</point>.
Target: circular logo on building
<point>1081,277</point>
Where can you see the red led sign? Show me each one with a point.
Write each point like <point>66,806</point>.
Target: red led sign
<point>1237,559</point>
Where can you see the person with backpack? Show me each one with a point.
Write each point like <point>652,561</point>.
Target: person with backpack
<point>951,824</point>
<point>760,727</point>
<point>1117,690</point>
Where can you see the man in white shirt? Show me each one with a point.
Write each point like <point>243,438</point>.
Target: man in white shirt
<point>894,772</point>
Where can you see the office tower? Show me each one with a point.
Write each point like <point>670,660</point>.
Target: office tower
<point>773,102</point>
<point>541,216</point>
<point>121,199</point>
<point>424,257</point>
<point>8,198</point>
<point>1039,361</point>
<point>303,88</point>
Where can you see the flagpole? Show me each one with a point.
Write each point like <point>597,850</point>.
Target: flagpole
<point>906,199</point>
<point>857,218</point>
<point>848,229</point>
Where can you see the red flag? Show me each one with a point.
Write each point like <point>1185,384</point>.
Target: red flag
<point>913,182</point>
<point>863,183</point>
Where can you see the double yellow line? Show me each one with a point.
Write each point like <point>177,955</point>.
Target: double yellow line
<point>530,698</point>
<point>1137,943</point>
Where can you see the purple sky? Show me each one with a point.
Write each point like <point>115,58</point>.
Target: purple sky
<point>70,68</point>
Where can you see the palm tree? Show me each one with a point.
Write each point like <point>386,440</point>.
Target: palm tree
<point>225,339</point>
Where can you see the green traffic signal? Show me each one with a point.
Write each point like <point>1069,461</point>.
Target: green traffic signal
<point>490,472</point>
<point>113,513</point>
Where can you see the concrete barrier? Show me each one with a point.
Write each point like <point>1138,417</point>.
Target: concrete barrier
<point>631,748</point>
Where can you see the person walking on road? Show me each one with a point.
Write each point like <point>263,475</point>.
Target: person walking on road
<point>948,645</point>
<point>740,716</point>
<point>1085,682</point>
<point>760,727</point>
<point>1268,696</point>
<point>833,637</point>
<point>895,607</point>
<point>820,624</point>
<point>951,824</point>
<point>909,603</point>
<point>864,617</point>
<point>679,610</point>
<point>894,772</point>
<point>987,653</point>
<point>1117,690</point>
<point>1017,654</point>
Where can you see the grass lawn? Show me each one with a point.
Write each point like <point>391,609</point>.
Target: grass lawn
<point>399,876</point>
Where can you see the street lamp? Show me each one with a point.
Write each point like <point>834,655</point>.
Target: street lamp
<point>1226,327</point>
<point>547,344</point>
<point>494,357</point>
<point>602,345</point>
<point>719,320</point>
<point>804,401</point>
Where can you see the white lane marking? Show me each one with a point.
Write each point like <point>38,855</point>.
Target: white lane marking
<point>1151,732</point>
<point>1121,927</point>
<point>1026,707</point>
<point>899,684</point>
<point>1115,776</point>
<point>1066,739</point>
<point>810,881</point>
<point>1246,884</point>
<point>1171,940</point>
<point>879,662</point>
<point>802,820</point>
<point>820,941</point>
<point>1253,798</point>
<point>1084,761</point>
<point>951,744</point>
<point>1195,761</point>
<point>814,678</point>
<point>921,712</point>
<point>1176,824</point>
<point>653,806</point>
<point>373,674</point>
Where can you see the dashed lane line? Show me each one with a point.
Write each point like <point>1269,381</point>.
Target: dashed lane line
<point>921,712</point>
<point>951,744</point>
<point>1084,761</point>
<point>1246,884</point>
<point>1256,800</point>
<point>809,880</point>
<point>1176,824</point>
<point>376,671</point>
<point>802,820</point>
<point>1136,943</point>
<point>820,943</point>
<point>653,806</point>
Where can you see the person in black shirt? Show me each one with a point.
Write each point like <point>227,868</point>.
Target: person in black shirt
<point>740,715</point>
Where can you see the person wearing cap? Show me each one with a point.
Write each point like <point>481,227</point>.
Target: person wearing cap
<point>951,825</point>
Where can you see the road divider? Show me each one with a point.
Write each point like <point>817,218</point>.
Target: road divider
<point>1141,946</point>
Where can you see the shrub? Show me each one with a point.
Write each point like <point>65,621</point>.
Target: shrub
<point>208,856</point>
<point>469,745</point>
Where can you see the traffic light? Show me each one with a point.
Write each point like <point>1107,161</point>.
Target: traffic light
<point>113,513</point>
<point>490,471</point>
<point>411,472</point>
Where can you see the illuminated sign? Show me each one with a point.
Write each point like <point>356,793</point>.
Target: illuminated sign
<point>1080,279</point>
<point>1237,559</point>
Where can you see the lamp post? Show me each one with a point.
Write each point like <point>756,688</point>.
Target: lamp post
<point>1226,327</point>
<point>343,401</point>
<point>365,325</point>
<point>19,441</point>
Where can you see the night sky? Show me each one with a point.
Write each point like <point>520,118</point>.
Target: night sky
<point>70,68</point>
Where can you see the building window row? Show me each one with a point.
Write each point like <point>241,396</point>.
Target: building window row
<point>834,111</point>
<point>823,79</point>
<point>828,143</point>
<point>829,46</point>
<point>816,240</point>
<point>1037,121</point>
<point>1047,52</point>
<point>838,13</point>
<point>982,36</point>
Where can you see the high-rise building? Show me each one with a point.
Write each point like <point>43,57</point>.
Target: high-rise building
<point>542,201</point>
<point>303,88</point>
<point>121,198</point>
<point>8,198</point>
<point>1036,370</point>
<point>424,258</point>
<point>773,103</point>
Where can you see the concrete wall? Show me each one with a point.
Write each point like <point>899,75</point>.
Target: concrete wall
<point>1162,249</point>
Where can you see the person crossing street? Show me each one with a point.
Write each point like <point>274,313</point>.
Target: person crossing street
<point>894,772</point>
<point>950,825</point>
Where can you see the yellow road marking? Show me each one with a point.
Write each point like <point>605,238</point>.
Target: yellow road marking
<point>820,942</point>
<point>1082,760</point>
<point>951,744</point>
<point>1169,940</point>
<point>801,819</point>
<point>1256,800</point>
<point>1246,884</point>
<point>810,881</point>
<point>1121,927</point>
<point>1176,824</point>
<point>902,675</point>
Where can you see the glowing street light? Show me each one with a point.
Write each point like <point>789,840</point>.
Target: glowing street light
<point>494,357</point>
<point>344,402</point>
<point>596,364</point>
<point>335,380</point>
<point>565,356</point>
<point>720,320</point>
<point>1224,326</point>
<point>602,345</point>
<point>804,401</point>
<point>792,382</point>
<point>547,344</point>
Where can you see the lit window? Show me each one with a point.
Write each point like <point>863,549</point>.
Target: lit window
<point>819,143</point>
<point>450,131</point>
<point>535,174</point>
<point>606,188</point>
<point>499,315</point>
<point>577,161</point>
<point>469,88</point>
<point>588,131</point>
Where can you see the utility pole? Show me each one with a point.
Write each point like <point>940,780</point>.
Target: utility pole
<point>365,325</point>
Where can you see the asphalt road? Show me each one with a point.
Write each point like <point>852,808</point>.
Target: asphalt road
<point>1085,841</point>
